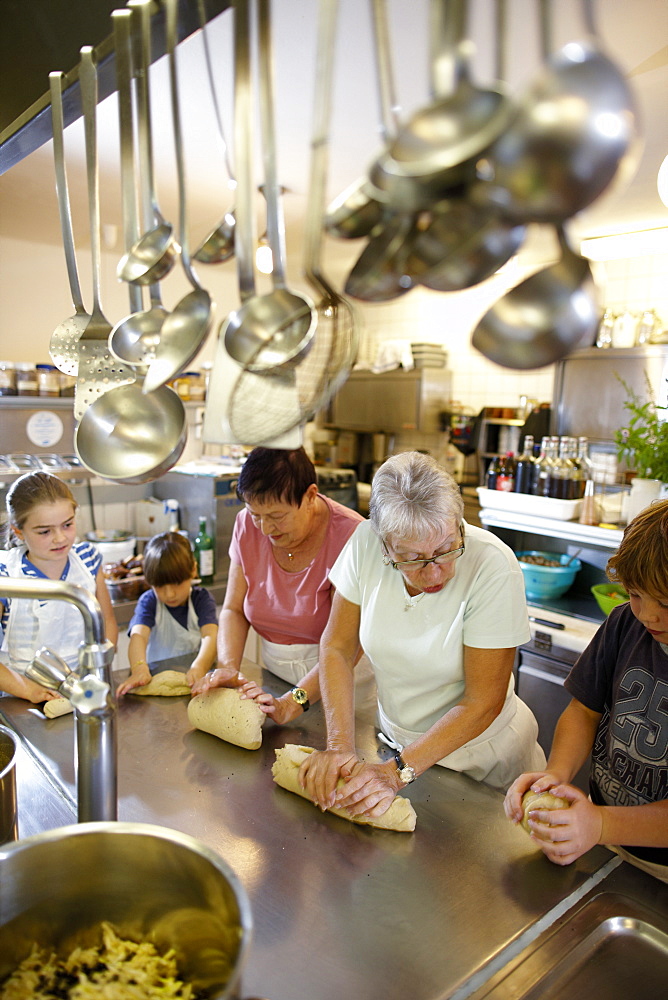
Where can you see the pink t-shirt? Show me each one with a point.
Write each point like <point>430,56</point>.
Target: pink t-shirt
<point>287,607</point>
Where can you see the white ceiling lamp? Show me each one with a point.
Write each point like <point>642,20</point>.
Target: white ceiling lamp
<point>617,246</point>
<point>662,181</point>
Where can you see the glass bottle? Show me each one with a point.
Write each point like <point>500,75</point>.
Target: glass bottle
<point>505,479</point>
<point>524,467</point>
<point>543,469</point>
<point>492,472</point>
<point>561,476</point>
<point>204,553</point>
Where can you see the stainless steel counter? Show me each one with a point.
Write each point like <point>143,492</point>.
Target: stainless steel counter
<point>339,910</point>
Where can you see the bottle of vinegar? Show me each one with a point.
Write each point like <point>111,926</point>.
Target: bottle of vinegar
<point>524,467</point>
<point>204,553</point>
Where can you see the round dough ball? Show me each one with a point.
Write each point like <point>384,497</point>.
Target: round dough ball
<point>540,800</point>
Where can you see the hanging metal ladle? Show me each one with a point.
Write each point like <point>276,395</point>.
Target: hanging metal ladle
<point>153,256</point>
<point>186,327</point>
<point>219,244</point>
<point>275,329</point>
<point>135,338</point>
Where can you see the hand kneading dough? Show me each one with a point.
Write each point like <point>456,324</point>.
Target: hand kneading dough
<point>224,714</point>
<point>400,816</point>
<point>56,707</point>
<point>540,800</point>
<point>167,682</point>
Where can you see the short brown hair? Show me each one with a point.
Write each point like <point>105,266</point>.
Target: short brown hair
<point>168,558</point>
<point>276,474</point>
<point>641,562</point>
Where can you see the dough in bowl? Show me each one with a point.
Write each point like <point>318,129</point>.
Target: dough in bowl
<point>223,713</point>
<point>400,816</point>
<point>540,800</point>
<point>168,683</point>
<point>56,707</point>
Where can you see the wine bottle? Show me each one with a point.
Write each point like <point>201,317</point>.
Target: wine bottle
<point>505,479</point>
<point>204,553</point>
<point>524,467</point>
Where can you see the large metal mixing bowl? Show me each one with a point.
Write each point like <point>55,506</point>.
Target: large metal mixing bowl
<point>146,880</point>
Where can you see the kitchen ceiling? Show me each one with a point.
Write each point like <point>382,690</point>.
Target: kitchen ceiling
<point>634,34</point>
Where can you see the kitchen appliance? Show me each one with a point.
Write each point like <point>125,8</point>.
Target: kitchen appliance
<point>578,411</point>
<point>542,665</point>
<point>392,401</point>
<point>205,489</point>
<point>339,485</point>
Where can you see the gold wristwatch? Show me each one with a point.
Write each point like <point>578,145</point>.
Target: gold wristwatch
<point>301,697</point>
<point>406,773</point>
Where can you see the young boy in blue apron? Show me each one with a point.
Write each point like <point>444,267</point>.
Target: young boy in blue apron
<point>173,618</point>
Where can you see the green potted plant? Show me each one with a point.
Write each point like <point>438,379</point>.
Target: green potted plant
<point>643,444</point>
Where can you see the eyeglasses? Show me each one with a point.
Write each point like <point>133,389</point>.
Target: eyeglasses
<point>440,560</point>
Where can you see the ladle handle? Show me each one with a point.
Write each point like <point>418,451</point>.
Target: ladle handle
<point>275,220</point>
<point>389,113</point>
<point>322,110</point>
<point>203,20</point>
<point>56,86</point>
<point>88,81</point>
<point>121,21</point>
<point>244,241</point>
<point>447,31</point>
<point>172,10</point>
<point>141,12</point>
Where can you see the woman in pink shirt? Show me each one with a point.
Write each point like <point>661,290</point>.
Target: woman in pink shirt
<point>283,546</point>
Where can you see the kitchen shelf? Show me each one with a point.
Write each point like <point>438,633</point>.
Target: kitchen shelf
<point>584,534</point>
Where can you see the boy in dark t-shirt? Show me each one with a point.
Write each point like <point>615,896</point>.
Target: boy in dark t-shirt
<point>619,713</point>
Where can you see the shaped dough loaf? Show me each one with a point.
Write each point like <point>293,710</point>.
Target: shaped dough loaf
<point>540,800</point>
<point>224,714</point>
<point>168,682</point>
<point>400,816</point>
<point>56,707</point>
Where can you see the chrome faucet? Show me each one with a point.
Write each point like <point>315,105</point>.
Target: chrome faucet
<point>90,691</point>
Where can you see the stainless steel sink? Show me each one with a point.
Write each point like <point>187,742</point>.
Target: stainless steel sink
<point>612,946</point>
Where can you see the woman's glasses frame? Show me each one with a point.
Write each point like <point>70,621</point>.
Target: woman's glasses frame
<point>414,564</point>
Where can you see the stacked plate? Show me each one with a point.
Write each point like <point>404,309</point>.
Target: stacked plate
<point>429,356</point>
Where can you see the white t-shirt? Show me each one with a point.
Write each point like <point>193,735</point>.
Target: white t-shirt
<point>418,654</point>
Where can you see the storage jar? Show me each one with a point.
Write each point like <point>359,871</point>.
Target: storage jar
<point>26,379</point>
<point>7,379</point>
<point>48,381</point>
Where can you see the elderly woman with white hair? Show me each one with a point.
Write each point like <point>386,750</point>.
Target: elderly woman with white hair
<point>439,608</point>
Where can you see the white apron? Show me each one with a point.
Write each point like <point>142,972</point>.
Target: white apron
<point>292,663</point>
<point>168,638</point>
<point>33,624</point>
<point>506,749</point>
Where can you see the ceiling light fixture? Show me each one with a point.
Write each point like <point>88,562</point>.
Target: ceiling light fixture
<point>662,181</point>
<point>617,246</point>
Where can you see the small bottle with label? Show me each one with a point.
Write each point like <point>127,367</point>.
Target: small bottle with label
<point>524,467</point>
<point>492,472</point>
<point>204,553</point>
<point>505,479</point>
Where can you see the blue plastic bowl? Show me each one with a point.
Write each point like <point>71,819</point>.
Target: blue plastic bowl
<point>548,581</point>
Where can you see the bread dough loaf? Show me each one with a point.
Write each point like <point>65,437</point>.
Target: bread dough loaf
<point>540,800</point>
<point>56,707</point>
<point>168,683</point>
<point>223,713</point>
<point>400,816</point>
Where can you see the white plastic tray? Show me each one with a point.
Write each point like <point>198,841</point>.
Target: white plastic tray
<point>524,503</point>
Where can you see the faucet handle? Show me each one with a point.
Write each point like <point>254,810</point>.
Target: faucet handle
<point>48,669</point>
<point>89,694</point>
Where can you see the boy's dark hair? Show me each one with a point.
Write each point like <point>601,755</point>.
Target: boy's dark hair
<point>641,561</point>
<point>168,558</point>
<point>276,474</point>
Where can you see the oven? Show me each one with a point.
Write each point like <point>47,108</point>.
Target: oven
<point>542,665</point>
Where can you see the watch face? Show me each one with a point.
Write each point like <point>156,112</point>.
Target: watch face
<point>300,696</point>
<point>407,774</point>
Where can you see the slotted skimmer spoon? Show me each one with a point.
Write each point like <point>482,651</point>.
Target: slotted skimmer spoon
<point>99,371</point>
<point>63,346</point>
